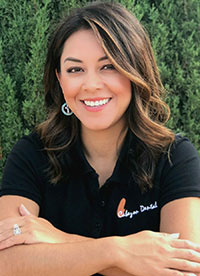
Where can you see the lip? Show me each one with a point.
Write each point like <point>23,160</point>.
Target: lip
<point>96,99</point>
<point>95,108</point>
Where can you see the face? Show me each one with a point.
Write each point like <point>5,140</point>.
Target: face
<point>94,90</point>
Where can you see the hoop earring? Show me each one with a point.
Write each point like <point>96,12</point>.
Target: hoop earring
<point>65,110</point>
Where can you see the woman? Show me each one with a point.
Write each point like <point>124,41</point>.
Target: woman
<point>102,186</point>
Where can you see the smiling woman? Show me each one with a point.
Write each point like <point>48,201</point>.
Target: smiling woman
<point>102,185</point>
<point>90,84</point>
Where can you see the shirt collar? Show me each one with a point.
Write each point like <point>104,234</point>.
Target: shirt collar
<point>79,164</point>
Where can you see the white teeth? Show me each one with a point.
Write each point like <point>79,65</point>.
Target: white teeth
<point>96,103</point>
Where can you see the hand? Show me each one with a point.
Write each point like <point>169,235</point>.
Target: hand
<point>148,254</point>
<point>33,230</point>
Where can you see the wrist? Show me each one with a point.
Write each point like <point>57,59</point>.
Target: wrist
<point>107,251</point>
<point>120,251</point>
<point>114,250</point>
<point>70,238</point>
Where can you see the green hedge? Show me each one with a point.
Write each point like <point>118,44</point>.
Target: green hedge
<point>173,27</point>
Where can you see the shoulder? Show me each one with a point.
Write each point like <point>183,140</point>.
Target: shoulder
<point>28,146</point>
<point>24,173</point>
<point>178,171</point>
<point>31,141</point>
<point>28,152</point>
<point>182,147</point>
<point>179,152</point>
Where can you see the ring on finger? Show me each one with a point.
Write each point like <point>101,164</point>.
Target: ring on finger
<point>16,230</point>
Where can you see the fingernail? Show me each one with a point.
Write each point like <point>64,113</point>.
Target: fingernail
<point>22,205</point>
<point>175,235</point>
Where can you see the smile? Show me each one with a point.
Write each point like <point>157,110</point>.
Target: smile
<point>96,103</point>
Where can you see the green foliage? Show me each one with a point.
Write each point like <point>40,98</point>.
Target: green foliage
<point>177,46</point>
<point>33,110</point>
<point>174,30</point>
<point>10,121</point>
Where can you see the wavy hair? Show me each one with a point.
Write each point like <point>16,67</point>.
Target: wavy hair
<point>127,45</point>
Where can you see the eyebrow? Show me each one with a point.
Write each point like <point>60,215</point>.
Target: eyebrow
<point>80,61</point>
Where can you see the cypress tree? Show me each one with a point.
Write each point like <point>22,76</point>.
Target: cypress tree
<point>173,27</point>
<point>10,121</point>
<point>33,110</point>
<point>177,46</point>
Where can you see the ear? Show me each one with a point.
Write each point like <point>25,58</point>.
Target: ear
<point>57,75</point>
<point>58,78</point>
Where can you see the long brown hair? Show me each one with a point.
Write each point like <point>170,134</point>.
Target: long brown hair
<point>127,45</point>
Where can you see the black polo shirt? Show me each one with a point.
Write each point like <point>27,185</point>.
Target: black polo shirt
<point>77,205</point>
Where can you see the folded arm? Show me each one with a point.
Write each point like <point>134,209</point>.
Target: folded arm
<point>144,253</point>
<point>43,241</point>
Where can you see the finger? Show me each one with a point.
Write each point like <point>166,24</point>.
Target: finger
<point>5,235</point>
<point>184,265</point>
<point>187,254</point>
<point>11,241</point>
<point>185,244</point>
<point>23,211</point>
<point>175,235</point>
<point>167,235</point>
<point>172,272</point>
<point>9,223</point>
<point>21,221</point>
<point>6,226</point>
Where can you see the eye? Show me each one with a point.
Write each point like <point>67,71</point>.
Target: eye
<point>74,70</point>
<point>108,67</point>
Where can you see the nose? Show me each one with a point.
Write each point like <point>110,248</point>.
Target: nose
<point>92,82</point>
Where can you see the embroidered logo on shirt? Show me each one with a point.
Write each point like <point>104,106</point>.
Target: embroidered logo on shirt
<point>122,212</point>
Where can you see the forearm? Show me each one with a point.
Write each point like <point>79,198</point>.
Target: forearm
<point>71,238</point>
<point>108,272</point>
<point>83,259</point>
<point>114,272</point>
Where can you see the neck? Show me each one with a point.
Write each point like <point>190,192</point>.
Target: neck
<point>103,144</point>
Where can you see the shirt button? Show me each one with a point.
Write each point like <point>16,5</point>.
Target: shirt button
<point>103,203</point>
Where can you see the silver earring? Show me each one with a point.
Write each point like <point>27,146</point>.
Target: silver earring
<point>65,110</point>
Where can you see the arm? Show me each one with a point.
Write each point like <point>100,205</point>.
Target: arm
<point>182,216</point>
<point>9,254</point>
<point>131,254</point>
<point>84,258</point>
<point>138,254</point>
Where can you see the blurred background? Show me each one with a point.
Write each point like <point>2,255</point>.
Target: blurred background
<point>25,26</point>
